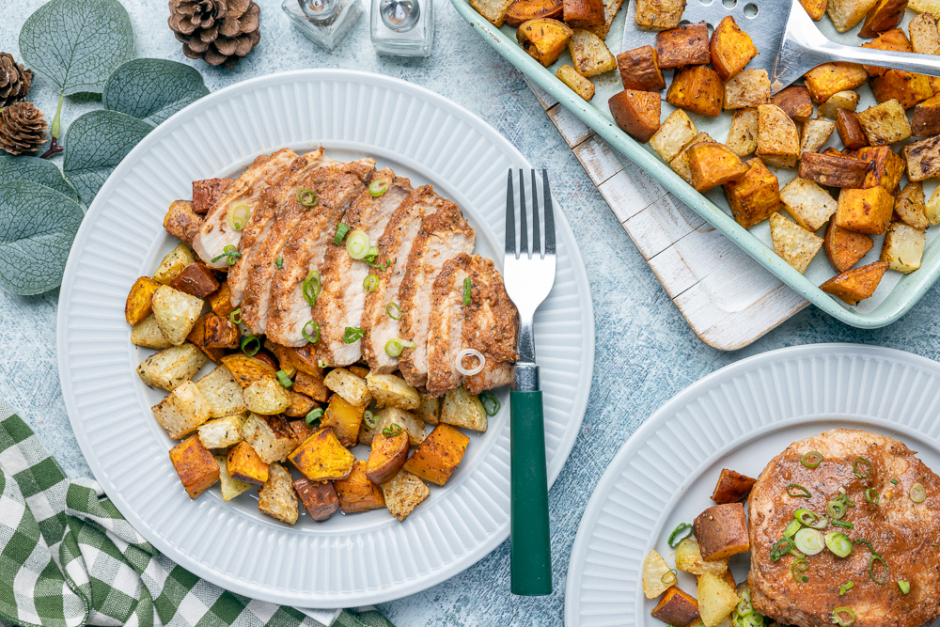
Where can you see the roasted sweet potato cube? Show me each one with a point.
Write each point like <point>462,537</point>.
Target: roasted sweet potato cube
<point>926,122</point>
<point>713,165</point>
<point>778,140</point>
<point>680,164</point>
<point>244,464</point>
<point>439,455</point>
<point>911,207</point>
<point>196,279</point>
<point>139,298</point>
<point>845,248</point>
<point>697,88</point>
<point>221,301</point>
<point>885,167</point>
<point>903,247</point>
<point>578,84</point>
<point>885,123</point>
<point>522,11</point>
<point>247,370</point>
<point>747,88</point>
<point>742,136</point>
<point>198,337</point>
<point>220,332</point>
<point>300,405</point>
<point>826,80</point>
<point>731,48</point>
<point>796,245</point>
<point>795,102</point>
<point>833,171</point>
<point>312,386</point>
<point>387,457</point>
<point>319,498</point>
<point>856,284</point>
<point>893,39</point>
<point>884,15</point>
<point>583,13</point>
<point>849,129</point>
<point>636,113</point>
<point>755,196</point>
<point>544,39</point>
<point>321,457</point>
<point>639,69</point>
<point>865,210</point>
<point>181,221</point>
<point>676,607</point>
<point>344,418</point>
<point>815,8</point>
<point>721,531</point>
<point>907,88</point>
<point>301,429</point>
<point>357,493</point>
<point>685,45</point>
<point>732,487</point>
<point>195,465</point>
<point>207,192</point>
<point>923,159</point>
<point>659,14</point>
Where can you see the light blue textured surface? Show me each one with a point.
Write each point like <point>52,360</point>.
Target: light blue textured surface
<point>645,351</point>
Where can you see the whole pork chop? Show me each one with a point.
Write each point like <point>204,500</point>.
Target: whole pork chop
<point>904,533</point>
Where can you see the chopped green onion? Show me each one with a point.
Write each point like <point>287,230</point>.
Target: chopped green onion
<point>321,363</point>
<point>866,467</point>
<point>351,334</point>
<point>844,498</point>
<point>236,316</point>
<point>379,187</point>
<point>680,533</point>
<point>490,403</point>
<point>312,287</point>
<point>811,459</point>
<point>392,430</point>
<point>835,509</point>
<point>868,544</point>
<point>669,578</point>
<point>883,579</point>
<point>279,262</point>
<point>341,230</point>
<point>918,493</point>
<point>313,334</point>
<point>370,283</point>
<point>798,491</point>
<point>848,585</point>
<point>313,418</point>
<point>389,308</point>
<point>904,586</point>
<point>357,244</point>
<point>792,527</point>
<point>744,605</point>
<point>749,620</point>
<point>843,616</point>
<point>809,541</point>
<point>779,549</point>
<point>810,519</point>
<point>894,481</point>
<point>250,345</point>
<point>283,379</point>
<point>395,346</point>
<point>371,420</point>
<point>231,255</point>
<point>843,523</point>
<point>467,291</point>
<point>371,254</point>
<point>307,198</point>
<point>839,543</point>
<point>872,496</point>
<point>799,567</point>
<point>239,216</point>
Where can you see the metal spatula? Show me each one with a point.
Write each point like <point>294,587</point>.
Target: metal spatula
<point>789,42</point>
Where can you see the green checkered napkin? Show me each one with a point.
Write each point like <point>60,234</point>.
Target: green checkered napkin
<point>68,558</point>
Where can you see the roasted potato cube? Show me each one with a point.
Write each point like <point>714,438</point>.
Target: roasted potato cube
<point>345,419</point>
<point>689,560</point>
<point>589,55</point>
<point>933,207</point>
<point>266,397</point>
<point>390,416</point>
<point>833,171</point>
<point>639,69</point>
<point>732,487</point>
<point>850,130</point>
<point>795,102</point>
<point>392,391</point>
<point>181,221</point>
<point>778,140</point>
<point>312,386</point>
<point>654,571</point>
<point>926,122</point>
<point>840,100</point>
<point>884,15</point>
<point>721,531</point>
<point>207,192</point>
<point>387,457</point>
<point>675,133</point>
<point>747,88</point>
<point>903,247</point>
<point>319,498</point>
<point>195,279</point>
<point>173,263</point>
<point>636,113</point>
<point>925,39</point>
<point>269,436</point>
<point>697,88</point>
<point>816,132</point>
<point>543,39</point>
<point>680,165</point>
<point>923,159</point>
<point>245,465</point>
<point>659,14</point>
<point>461,409</point>
<point>493,10</point>
<point>742,136</point>
<point>809,204</point>
<point>815,8</point>
<point>716,598</point>
<point>321,457</point>
<point>894,39</point>
<point>755,196</point>
<point>138,305</point>
<point>795,244</point>
<point>175,312</point>
<point>684,45</point>
<point>222,393</point>
<point>583,13</point>
<point>910,206</point>
<point>438,456</point>
<point>221,301</point>
<point>147,333</point>
<point>885,168</point>
<point>731,48</point>
<point>676,608</point>
<point>171,367</point>
<point>277,497</point>
<point>712,165</point>
<point>908,89</point>
<point>865,210</point>
<point>578,84</point>
<point>885,123</point>
<point>856,284</point>
<point>524,10</point>
<point>301,429</point>
<point>845,248</point>
<point>247,370</point>
<point>429,411</point>
<point>403,493</point>
<point>195,465</point>
<point>231,487</point>
<point>356,493</point>
<point>353,389</point>
<point>844,15</point>
<point>828,79</point>
<point>221,432</point>
<point>300,405</point>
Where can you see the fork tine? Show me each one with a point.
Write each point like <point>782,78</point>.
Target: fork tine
<point>536,237</point>
<point>510,219</point>
<point>549,215</point>
<point>523,228</point>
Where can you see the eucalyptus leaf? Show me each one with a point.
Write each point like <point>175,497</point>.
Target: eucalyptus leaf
<point>35,170</point>
<point>36,233</point>
<point>76,44</point>
<point>95,144</point>
<point>152,89</point>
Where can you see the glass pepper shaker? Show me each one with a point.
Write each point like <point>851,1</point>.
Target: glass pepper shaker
<point>403,28</point>
<point>324,22</point>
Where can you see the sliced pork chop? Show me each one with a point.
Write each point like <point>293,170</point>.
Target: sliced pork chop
<point>443,235</point>
<point>394,246</point>
<point>216,231</point>
<point>343,299</point>
<point>446,324</point>
<point>491,326</point>
<point>337,186</point>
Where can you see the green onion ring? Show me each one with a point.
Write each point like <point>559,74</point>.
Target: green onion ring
<point>894,482</point>
<point>810,519</point>
<point>669,578</point>
<point>392,430</point>
<point>311,287</point>
<point>918,493</point>
<point>378,187</point>
<point>848,585</point>
<point>283,379</point>
<point>314,417</point>
<point>792,527</point>
<point>904,586</point>
<point>868,544</point>
<point>871,569</point>
<point>235,314</point>
<point>845,524</point>
<point>307,198</point>
<point>872,496</point>
<point>799,567</point>
<point>839,544</point>
<point>780,548</point>
<point>490,402</point>
<point>395,346</point>
<point>341,230</point>
<point>321,364</point>
<point>313,334</point>
<point>797,491</point>
<point>840,621</point>
<point>239,216</point>
<point>809,541</point>
<point>811,459</point>
<point>371,420</point>
<point>835,509</point>
<point>393,306</point>
<point>352,334</point>
<point>357,244</point>
<point>230,253</point>
<point>680,533</point>
<point>246,345</point>
<point>279,262</point>
<point>866,463</point>
<point>370,283</point>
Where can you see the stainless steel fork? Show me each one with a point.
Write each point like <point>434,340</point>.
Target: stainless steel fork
<point>529,277</point>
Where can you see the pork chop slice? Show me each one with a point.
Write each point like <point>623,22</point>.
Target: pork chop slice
<point>446,325</point>
<point>343,298</point>
<point>305,250</point>
<point>395,247</point>
<point>443,235</point>
<point>491,326</point>
<point>216,231</point>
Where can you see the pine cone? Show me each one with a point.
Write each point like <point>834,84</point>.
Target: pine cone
<point>220,32</point>
<point>14,80</point>
<point>22,128</point>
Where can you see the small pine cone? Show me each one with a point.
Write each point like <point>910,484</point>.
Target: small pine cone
<point>22,129</point>
<point>220,32</point>
<point>14,80</point>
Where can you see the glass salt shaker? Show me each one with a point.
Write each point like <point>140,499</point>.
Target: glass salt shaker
<point>324,22</point>
<point>403,28</point>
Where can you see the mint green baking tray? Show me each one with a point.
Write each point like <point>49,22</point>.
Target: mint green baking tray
<point>889,302</point>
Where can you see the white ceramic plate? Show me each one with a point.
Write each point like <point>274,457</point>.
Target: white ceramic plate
<point>739,417</point>
<point>349,560</point>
